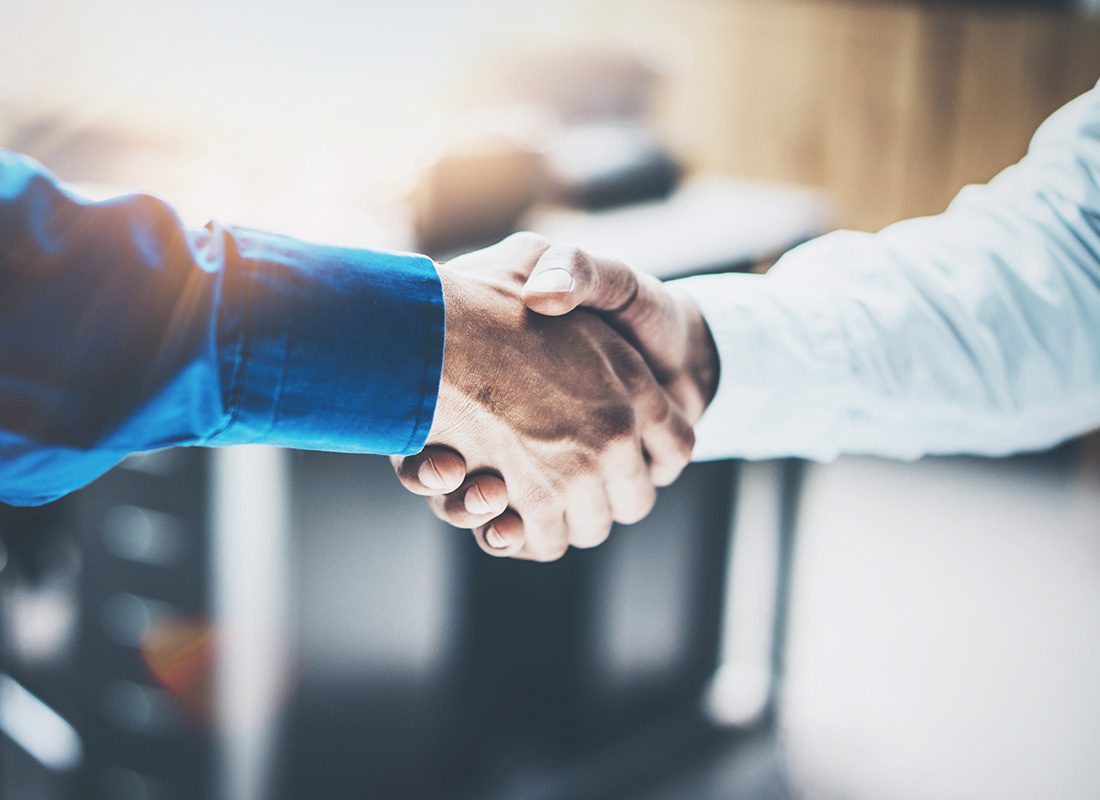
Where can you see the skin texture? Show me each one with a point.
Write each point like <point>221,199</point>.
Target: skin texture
<point>558,420</point>
<point>664,325</point>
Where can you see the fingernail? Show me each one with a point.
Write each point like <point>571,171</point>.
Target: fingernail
<point>429,475</point>
<point>476,502</point>
<point>495,540</point>
<point>552,280</point>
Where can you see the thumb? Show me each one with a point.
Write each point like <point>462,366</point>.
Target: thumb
<point>565,277</point>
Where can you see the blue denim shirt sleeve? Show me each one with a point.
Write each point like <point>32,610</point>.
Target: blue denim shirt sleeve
<point>123,331</point>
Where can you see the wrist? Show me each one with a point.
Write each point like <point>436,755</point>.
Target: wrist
<point>447,408</point>
<point>702,363</point>
<point>476,321</point>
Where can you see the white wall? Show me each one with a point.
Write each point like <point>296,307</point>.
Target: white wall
<point>945,632</point>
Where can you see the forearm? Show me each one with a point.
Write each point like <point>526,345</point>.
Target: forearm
<point>974,331</point>
<point>122,331</point>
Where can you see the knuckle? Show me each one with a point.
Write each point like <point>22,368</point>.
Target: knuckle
<point>688,437</point>
<point>570,256</point>
<point>405,469</point>
<point>445,513</point>
<point>686,441</point>
<point>454,504</point>
<point>665,474</point>
<point>552,552</point>
<point>529,240</point>
<point>633,372</point>
<point>614,423</point>
<point>648,283</point>
<point>592,536</point>
<point>583,462</point>
<point>639,509</point>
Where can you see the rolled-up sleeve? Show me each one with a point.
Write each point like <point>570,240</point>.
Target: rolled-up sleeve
<point>122,331</point>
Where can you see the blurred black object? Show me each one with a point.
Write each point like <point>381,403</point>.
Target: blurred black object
<point>463,676</point>
<point>607,164</point>
<point>709,224</point>
<point>588,171</point>
<point>590,149</point>
<point>480,191</point>
<point>89,582</point>
<point>424,668</point>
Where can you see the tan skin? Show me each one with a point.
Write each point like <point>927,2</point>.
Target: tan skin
<point>664,327</point>
<point>558,419</point>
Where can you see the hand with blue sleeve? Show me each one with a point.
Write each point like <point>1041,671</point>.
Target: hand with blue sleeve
<point>122,331</point>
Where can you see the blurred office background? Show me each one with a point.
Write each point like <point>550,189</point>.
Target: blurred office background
<point>257,624</point>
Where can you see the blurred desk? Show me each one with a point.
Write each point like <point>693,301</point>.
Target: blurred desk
<point>710,224</point>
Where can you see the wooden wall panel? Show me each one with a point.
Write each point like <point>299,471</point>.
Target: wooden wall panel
<point>890,107</point>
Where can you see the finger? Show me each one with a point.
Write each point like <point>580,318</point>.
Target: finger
<point>648,302</point>
<point>449,511</point>
<point>565,277</point>
<point>630,491</point>
<point>668,444</point>
<point>588,516</point>
<point>546,536</point>
<point>562,279</point>
<point>484,494</point>
<point>433,471</point>
<point>501,537</point>
<point>651,321</point>
<point>479,499</point>
<point>636,304</point>
<point>666,434</point>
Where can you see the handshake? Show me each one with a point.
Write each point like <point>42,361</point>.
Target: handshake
<point>553,423</point>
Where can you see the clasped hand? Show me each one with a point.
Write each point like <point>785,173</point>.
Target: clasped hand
<point>551,422</point>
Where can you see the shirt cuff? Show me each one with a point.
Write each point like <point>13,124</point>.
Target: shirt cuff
<point>327,348</point>
<point>783,369</point>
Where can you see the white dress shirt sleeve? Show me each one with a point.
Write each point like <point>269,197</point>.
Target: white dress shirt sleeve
<point>974,331</point>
